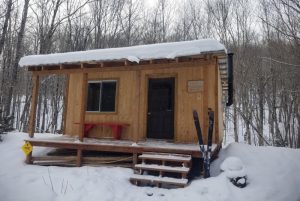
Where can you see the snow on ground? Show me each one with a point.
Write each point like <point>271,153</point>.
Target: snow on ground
<point>273,174</point>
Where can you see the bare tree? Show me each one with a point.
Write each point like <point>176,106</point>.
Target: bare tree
<point>5,25</point>
<point>18,55</point>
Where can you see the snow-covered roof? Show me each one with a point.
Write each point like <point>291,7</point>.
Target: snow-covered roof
<point>133,54</point>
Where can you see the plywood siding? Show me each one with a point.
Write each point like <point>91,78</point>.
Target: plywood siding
<point>132,92</point>
<point>125,103</point>
<point>185,101</point>
<point>74,105</point>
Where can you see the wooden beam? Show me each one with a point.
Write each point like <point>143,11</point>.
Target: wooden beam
<point>127,63</point>
<point>35,91</point>
<point>142,66</point>
<point>122,148</point>
<point>29,158</point>
<point>79,158</point>
<point>66,66</point>
<point>83,105</point>
<point>87,146</point>
<point>134,159</point>
<point>34,68</point>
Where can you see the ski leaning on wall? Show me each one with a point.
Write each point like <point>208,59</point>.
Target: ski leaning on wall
<point>206,153</point>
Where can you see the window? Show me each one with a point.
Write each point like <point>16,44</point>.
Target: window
<point>101,96</point>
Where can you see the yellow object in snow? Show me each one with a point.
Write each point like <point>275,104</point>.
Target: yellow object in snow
<point>27,148</point>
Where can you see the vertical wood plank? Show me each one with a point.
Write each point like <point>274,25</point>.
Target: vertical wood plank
<point>137,106</point>
<point>79,158</point>
<point>205,102</point>
<point>35,91</point>
<point>29,158</point>
<point>83,105</point>
<point>217,102</point>
<point>134,159</point>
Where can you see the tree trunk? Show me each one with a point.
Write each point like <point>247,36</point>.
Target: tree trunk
<point>19,51</point>
<point>5,25</point>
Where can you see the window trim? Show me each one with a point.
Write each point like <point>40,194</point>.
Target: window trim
<point>116,80</point>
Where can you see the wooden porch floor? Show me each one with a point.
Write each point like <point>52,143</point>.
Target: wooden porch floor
<point>110,145</point>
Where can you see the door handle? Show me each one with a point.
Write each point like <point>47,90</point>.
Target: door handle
<point>149,113</point>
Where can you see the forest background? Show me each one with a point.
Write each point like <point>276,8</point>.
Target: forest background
<point>264,35</point>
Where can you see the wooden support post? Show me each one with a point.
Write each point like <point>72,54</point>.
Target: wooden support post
<point>35,92</point>
<point>79,158</point>
<point>29,158</point>
<point>183,175</point>
<point>83,105</point>
<point>134,159</point>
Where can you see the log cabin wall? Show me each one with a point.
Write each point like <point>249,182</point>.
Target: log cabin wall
<point>131,101</point>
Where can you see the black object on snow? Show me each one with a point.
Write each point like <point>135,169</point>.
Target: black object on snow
<point>206,153</point>
<point>240,182</point>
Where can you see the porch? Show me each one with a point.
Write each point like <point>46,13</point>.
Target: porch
<point>77,153</point>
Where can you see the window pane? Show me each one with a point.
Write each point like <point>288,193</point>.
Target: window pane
<point>93,96</point>
<point>108,96</point>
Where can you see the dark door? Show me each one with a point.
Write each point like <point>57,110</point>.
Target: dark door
<point>160,116</point>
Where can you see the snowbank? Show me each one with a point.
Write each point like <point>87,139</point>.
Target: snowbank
<point>133,54</point>
<point>233,167</point>
<point>273,174</point>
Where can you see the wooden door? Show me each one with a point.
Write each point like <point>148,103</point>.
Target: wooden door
<point>160,116</point>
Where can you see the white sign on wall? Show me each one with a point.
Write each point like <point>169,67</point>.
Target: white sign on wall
<point>195,86</point>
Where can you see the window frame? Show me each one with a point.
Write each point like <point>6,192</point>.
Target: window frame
<point>115,80</point>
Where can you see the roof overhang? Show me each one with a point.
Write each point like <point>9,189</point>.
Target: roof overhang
<point>154,55</point>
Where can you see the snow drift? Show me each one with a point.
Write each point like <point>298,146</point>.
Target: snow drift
<point>273,174</point>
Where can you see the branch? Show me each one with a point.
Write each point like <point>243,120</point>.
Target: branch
<point>292,7</point>
<point>279,30</point>
<point>69,14</point>
<point>253,126</point>
<point>281,62</point>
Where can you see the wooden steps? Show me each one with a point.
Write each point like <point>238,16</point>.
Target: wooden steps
<point>159,180</point>
<point>165,168</point>
<point>166,157</point>
<point>162,169</point>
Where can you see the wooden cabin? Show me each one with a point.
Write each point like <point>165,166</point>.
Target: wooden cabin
<point>140,94</point>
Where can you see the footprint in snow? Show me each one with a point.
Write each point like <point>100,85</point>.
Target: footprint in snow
<point>204,191</point>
